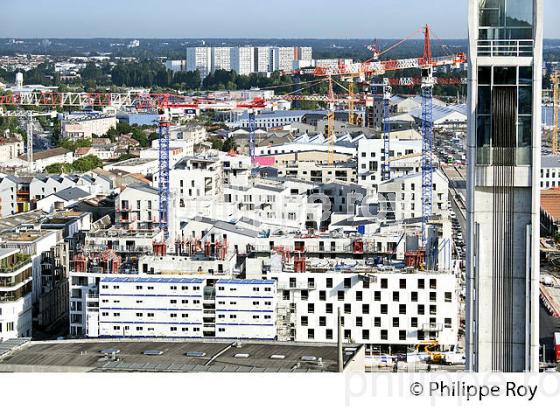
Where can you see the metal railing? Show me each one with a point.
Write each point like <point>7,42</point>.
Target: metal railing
<point>505,48</point>
<point>21,261</point>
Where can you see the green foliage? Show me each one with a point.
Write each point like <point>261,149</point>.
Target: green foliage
<point>73,145</point>
<point>87,163</point>
<point>217,143</point>
<point>229,144</point>
<point>59,168</point>
<point>83,164</point>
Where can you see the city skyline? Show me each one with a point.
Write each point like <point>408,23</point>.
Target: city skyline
<point>72,20</point>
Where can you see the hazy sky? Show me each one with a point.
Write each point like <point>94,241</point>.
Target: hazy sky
<point>241,18</point>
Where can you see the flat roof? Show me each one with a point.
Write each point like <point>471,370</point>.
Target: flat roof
<point>151,280</point>
<point>219,356</point>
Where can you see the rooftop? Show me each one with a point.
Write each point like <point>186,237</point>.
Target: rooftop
<point>205,356</point>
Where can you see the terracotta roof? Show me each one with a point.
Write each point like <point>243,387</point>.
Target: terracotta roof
<point>82,151</point>
<point>140,178</point>
<point>550,202</point>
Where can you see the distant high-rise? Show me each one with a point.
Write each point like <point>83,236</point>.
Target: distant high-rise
<point>504,142</point>
<point>221,58</point>
<point>243,60</point>
<point>199,58</point>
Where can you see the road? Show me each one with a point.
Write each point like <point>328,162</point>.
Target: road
<point>548,325</point>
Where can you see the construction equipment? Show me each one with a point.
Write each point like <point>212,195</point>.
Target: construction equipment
<point>555,78</point>
<point>432,350</point>
<point>161,102</point>
<point>330,124</point>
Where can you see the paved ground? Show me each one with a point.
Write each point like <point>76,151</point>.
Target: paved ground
<point>548,325</point>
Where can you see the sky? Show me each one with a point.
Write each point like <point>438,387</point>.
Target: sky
<point>241,18</point>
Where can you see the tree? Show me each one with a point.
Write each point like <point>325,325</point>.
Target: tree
<point>87,163</point>
<point>72,145</point>
<point>229,144</point>
<point>59,168</point>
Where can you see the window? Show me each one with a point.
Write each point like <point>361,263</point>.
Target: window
<point>402,309</point>
<point>322,295</point>
<point>365,309</point>
<point>433,296</point>
<point>377,296</point>
<point>311,308</point>
<point>347,334</point>
<point>329,283</point>
<point>359,321</point>
<point>413,322</point>
<point>377,322</point>
<point>347,283</point>
<point>304,320</point>
<point>173,301</point>
<point>448,296</point>
<point>340,294</point>
<point>329,308</point>
<point>421,309</point>
<point>433,309</point>
<point>395,296</point>
<point>310,333</point>
<point>433,283</point>
<point>384,309</point>
<point>173,329</point>
<point>139,314</point>
<point>365,334</point>
<point>396,321</point>
<point>173,315</point>
<point>384,334</point>
<point>447,322</point>
<point>347,308</point>
<point>402,334</point>
<point>420,335</point>
<point>322,321</point>
<point>402,283</point>
<point>384,283</point>
<point>304,295</point>
<point>329,334</point>
<point>421,283</point>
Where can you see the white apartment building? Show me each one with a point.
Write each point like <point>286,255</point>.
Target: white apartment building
<point>15,294</point>
<point>243,60</point>
<point>283,58</point>
<point>263,60</point>
<point>396,309</point>
<point>199,58</point>
<point>85,126</point>
<point>304,53</point>
<point>401,197</point>
<point>43,186</point>
<point>10,149</point>
<point>221,58</point>
<point>371,157</point>
<point>106,305</point>
<point>176,65</point>
<point>8,197</point>
<point>550,172</point>
<point>137,207</point>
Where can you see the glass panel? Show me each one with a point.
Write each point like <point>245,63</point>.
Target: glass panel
<point>524,133</point>
<point>484,100</point>
<point>483,131</point>
<point>505,75</point>
<point>484,75</point>
<point>525,100</point>
<point>525,75</point>
<point>519,13</point>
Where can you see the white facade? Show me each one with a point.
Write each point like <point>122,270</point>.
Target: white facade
<point>401,197</point>
<point>263,59</point>
<point>199,58</point>
<point>8,198</point>
<point>15,294</point>
<point>243,60</point>
<point>75,127</point>
<point>171,306</point>
<point>503,185</point>
<point>378,309</point>
<point>550,172</point>
<point>371,157</point>
<point>221,58</point>
<point>137,207</point>
<point>283,58</point>
<point>10,149</point>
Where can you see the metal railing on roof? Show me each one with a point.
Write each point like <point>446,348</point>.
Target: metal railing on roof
<point>505,48</point>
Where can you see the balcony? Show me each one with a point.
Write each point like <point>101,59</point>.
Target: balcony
<point>12,264</point>
<point>505,48</point>
<point>433,327</point>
